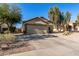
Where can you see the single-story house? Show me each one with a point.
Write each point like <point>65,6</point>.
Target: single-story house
<point>71,26</point>
<point>37,25</point>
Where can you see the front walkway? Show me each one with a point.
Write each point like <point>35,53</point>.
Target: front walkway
<point>54,45</point>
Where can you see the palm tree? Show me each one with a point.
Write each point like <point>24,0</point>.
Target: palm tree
<point>54,16</point>
<point>67,20</point>
<point>61,21</point>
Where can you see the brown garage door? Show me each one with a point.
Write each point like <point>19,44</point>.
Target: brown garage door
<point>33,29</point>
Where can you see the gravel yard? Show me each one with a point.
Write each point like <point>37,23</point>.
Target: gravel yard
<point>21,46</point>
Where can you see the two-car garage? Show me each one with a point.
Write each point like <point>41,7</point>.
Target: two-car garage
<point>38,25</point>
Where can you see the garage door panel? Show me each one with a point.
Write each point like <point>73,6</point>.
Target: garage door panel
<point>31,29</point>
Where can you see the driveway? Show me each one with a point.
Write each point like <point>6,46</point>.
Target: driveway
<point>53,45</point>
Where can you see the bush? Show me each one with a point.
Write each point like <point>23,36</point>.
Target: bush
<point>1,37</point>
<point>7,38</point>
<point>66,33</point>
<point>6,32</point>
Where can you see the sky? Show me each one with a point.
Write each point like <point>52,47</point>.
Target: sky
<point>31,10</point>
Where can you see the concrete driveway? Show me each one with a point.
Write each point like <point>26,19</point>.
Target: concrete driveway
<point>54,45</point>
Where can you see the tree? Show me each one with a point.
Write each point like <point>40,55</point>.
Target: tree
<point>77,21</point>
<point>61,21</point>
<point>55,16</point>
<point>15,15</point>
<point>67,20</point>
<point>10,14</point>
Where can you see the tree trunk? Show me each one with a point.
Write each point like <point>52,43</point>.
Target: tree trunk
<point>65,27</point>
<point>8,28</point>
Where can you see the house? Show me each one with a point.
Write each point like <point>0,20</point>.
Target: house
<point>71,26</point>
<point>18,30</point>
<point>76,27</point>
<point>37,25</point>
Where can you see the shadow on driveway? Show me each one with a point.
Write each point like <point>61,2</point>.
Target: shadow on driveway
<point>34,37</point>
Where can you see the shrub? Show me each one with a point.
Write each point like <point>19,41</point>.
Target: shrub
<point>6,32</point>
<point>7,38</point>
<point>66,33</point>
<point>1,37</point>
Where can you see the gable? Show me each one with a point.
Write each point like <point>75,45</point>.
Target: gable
<point>40,22</point>
<point>37,21</point>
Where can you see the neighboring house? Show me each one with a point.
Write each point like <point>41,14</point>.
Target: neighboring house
<point>71,26</point>
<point>37,25</point>
<point>18,30</point>
<point>76,28</point>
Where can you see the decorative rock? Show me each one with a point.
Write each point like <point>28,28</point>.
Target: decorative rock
<point>4,46</point>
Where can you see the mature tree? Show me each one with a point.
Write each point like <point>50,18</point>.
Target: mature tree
<point>77,21</point>
<point>59,19</point>
<point>4,12</point>
<point>15,15</point>
<point>9,14</point>
<point>67,20</point>
<point>51,17</point>
<point>55,16</point>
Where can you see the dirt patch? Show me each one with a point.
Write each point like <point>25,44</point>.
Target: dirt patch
<point>26,47</point>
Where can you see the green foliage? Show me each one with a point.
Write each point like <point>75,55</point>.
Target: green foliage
<point>67,17</point>
<point>59,19</point>
<point>66,21</point>
<point>12,29</point>
<point>1,37</point>
<point>56,17</point>
<point>54,14</point>
<point>10,14</point>
<point>77,21</point>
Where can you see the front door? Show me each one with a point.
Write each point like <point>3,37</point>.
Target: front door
<point>49,30</point>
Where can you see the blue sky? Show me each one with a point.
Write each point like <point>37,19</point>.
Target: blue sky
<point>31,10</point>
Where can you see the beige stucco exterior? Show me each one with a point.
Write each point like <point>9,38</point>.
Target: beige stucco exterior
<point>37,26</point>
<point>32,29</point>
